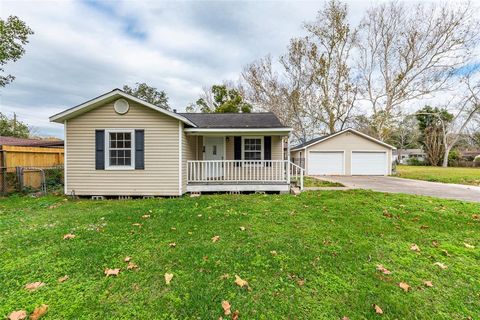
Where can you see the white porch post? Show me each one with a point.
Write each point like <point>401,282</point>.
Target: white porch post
<point>288,157</point>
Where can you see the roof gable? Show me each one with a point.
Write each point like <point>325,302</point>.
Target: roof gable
<point>327,137</point>
<point>109,96</point>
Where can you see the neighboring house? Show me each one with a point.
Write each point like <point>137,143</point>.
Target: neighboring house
<point>468,154</point>
<point>403,155</point>
<point>25,142</point>
<point>118,145</point>
<point>347,152</point>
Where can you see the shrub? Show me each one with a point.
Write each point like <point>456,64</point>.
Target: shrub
<point>476,161</point>
<point>453,157</point>
<point>415,162</point>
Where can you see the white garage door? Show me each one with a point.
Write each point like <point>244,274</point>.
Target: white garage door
<point>369,163</point>
<point>325,163</point>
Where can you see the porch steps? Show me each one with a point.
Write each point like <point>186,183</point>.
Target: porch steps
<point>295,190</point>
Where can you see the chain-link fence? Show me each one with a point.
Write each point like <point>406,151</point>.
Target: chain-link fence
<point>31,180</point>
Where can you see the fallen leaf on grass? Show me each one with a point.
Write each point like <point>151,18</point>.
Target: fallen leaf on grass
<point>440,265</point>
<point>172,245</point>
<point>215,238</point>
<point>445,253</point>
<point>476,216</point>
<point>127,259</point>
<point>168,278</point>
<point>469,246</point>
<point>137,224</point>
<point>240,282</point>
<point>435,244</point>
<point>428,283</point>
<point>387,214</point>
<point>131,266</point>
<point>300,282</point>
<point>242,228</point>
<point>63,279</point>
<point>39,312</point>
<point>17,315</point>
<point>423,227</point>
<point>68,236</point>
<point>226,307</point>
<point>382,269</point>
<point>273,253</point>
<point>34,285</point>
<point>414,247</point>
<point>145,216</point>
<point>345,318</point>
<point>404,286</point>
<point>377,309</point>
<point>112,272</point>
<point>235,315</point>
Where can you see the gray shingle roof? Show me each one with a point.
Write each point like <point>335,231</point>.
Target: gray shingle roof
<point>309,142</point>
<point>234,120</point>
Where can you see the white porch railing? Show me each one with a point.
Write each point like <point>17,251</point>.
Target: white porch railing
<point>244,171</point>
<point>296,174</point>
<point>237,171</point>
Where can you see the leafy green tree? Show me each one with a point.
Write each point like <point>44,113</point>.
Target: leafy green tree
<point>149,94</point>
<point>13,37</point>
<point>11,127</point>
<point>431,123</point>
<point>223,100</point>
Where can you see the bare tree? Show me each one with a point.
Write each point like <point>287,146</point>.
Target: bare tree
<point>406,134</point>
<point>410,53</point>
<point>468,109</point>
<point>313,92</point>
<point>286,95</point>
<point>329,43</point>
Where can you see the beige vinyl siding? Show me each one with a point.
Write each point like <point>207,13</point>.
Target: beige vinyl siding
<point>160,176</point>
<point>189,153</point>
<point>348,142</point>
<point>277,148</point>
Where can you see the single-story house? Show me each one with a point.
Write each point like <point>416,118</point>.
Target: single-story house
<point>403,156</point>
<point>347,152</point>
<point>119,145</point>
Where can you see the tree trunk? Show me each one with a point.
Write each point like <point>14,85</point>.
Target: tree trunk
<point>445,157</point>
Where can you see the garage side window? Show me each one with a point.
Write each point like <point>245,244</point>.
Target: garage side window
<point>119,146</point>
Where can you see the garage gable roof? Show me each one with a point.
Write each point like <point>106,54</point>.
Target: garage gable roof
<point>100,100</point>
<point>324,138</point>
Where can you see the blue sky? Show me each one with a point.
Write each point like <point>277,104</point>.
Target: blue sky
<point>84,48</point>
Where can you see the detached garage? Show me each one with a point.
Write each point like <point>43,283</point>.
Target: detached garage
<point>347,152</point>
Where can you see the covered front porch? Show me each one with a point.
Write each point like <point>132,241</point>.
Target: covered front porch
<point>241,160</point>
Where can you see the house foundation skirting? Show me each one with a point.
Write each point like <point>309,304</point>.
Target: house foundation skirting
<point>237,187</point>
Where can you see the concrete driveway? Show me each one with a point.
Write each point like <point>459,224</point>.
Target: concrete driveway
<point>399,185</point>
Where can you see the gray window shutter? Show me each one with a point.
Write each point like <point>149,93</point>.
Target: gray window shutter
<point>139,149</point>
<point>237,149</point>
<point>267,149</point>
<point>99,149</point>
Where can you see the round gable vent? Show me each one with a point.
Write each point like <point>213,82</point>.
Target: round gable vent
<point>121,106</point>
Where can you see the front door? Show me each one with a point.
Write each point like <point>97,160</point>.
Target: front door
<point>214,150</point>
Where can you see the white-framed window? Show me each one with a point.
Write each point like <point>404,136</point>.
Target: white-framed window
<point>252,148</point>
<point>120,149</point>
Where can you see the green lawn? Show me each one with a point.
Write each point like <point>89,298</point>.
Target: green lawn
<point>470,176</point>
<point>312,256</point>
<point>312,182</point>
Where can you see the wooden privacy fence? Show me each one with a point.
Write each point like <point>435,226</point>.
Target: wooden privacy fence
<point>24,166</point>
<point>14,156</point>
